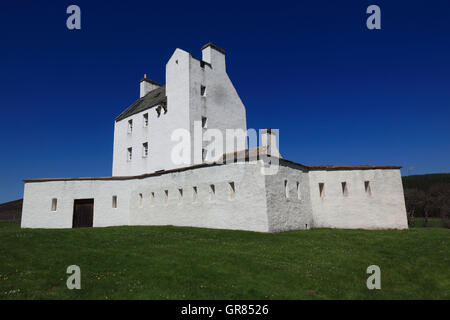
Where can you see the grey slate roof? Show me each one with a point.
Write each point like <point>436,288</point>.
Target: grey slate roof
<point>151,99</point>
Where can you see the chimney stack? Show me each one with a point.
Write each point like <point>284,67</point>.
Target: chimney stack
<point>147,85</point>
<point>214,56</point>
<point>269,141</point>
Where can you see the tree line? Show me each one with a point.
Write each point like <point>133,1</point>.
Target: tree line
<point>427,196</point>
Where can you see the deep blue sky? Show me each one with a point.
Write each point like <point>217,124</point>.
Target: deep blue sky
<point>338,92</point>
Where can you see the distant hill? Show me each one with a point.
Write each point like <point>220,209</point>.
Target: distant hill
<point>11,211</point>
<point>425,181</point>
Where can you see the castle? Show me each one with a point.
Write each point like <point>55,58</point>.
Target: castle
<point>231,189</point>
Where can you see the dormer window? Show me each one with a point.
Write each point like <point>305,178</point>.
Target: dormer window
<point>203,91</point>
<point>145,116</point>
<point>130,126</point>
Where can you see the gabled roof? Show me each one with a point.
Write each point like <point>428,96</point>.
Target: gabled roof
<point>153,98</point>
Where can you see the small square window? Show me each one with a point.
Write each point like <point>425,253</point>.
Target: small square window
<point>344,189</point>
<point>130,126</point>
<point>212,191</point>
<point>166,196</point>
<point>194,194</point>
<point>203,91</point>
<point>322,189</point>
<point>153,197</point>
<point>145,150</point>
<point>286,189</point>
<point>232,191</point>
<point>367,188</point>
<point>145,117</point>
<point>54,204</point>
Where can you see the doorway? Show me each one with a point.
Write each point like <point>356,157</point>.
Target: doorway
<point>83,213</point>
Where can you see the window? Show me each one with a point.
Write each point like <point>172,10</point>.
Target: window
<point>158,111</point>
<point>145,116</point>
<point>232,191</point>
<point>129,154</point>
<point>322,189</point>
<point>145,150</point>
<point>140,200</point>
<point>344,189</point>
<point>367,188</point>
<point>212,191</point>
<point>194,194</point>
<point>130,126</point>
<point>153,198</point>
<point>286,189</point>
<point>204,152</point>
<point>54,204</point>
<point>204,122</point>
<point>203,91</point>
<point>114,202</point>
<point>180,195</point>
<point>166,196</point>
<point>299,194</point>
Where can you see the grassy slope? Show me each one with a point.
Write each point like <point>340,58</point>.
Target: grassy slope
<point>188,263</point>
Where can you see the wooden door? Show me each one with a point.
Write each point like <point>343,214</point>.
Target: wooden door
<point>83,213</point>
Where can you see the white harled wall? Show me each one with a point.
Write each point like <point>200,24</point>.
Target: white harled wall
<point>288,204</point>
<point>37,202</point>
<point>270,203</point>
<point>244,210</point>
<point>383,208</point>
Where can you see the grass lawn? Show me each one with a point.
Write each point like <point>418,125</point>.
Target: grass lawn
<point>191,263</point>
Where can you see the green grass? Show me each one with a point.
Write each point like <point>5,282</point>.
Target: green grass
<point>190,263</point>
